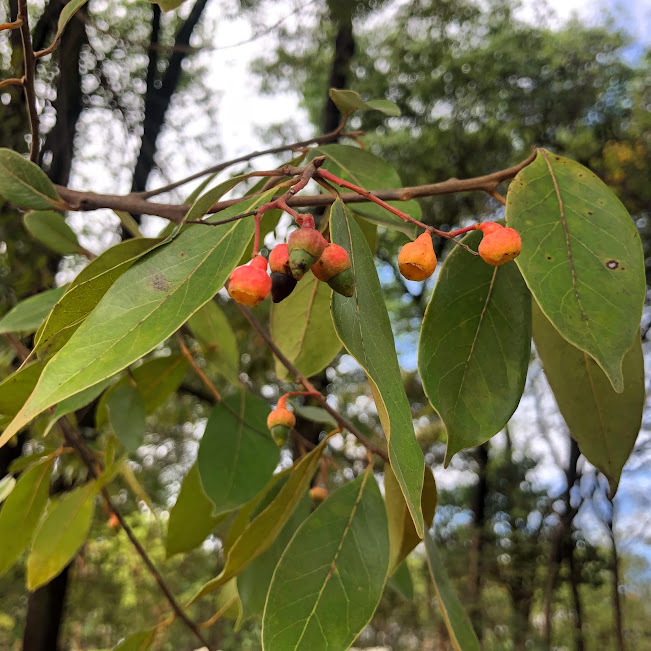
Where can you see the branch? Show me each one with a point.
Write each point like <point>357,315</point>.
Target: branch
<point>14,81</point>
<point>29,62</point>
<point>88,458</point>
<point>86,201</point>
<point>15,25</point>
<point>301,379</point>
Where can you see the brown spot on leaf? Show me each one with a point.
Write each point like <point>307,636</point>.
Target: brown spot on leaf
<point>159,283</point>
<point>612,264</point>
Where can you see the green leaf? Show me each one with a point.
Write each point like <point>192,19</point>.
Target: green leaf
<point>191,517</point>
<point>371,173</point>
<point>212,330</point>
<point>348,101</point>
<point>28,315</point>
<point>167,5</point>
<point>581,257</point>
<point>129,224</point>
<point>22,511</point>
<point>15,389</point>
<point>142,308</point>
<point>362,324</point>
<point>401,582</point>
<point>260,533</point>
<point>7,484</point>
<point>457,622</point>
<point>51,229</point>
<point>70,9</point>
<point>85,292</point>
<point>402,532</point>
<point>141,641</point>
<point>474,346</point>
<point>237,455</point>
<point>26,184</point>
<point>604,423</point>
<point>253,582</point>
<point>301,326</point>
<point>126,413</point>
<point>331,576</point>
<point>316,415</point>
<point>61,533</point>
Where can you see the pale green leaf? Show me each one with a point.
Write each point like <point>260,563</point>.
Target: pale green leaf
<point>331,576</point>
<point>51,229</point>
<point>144,306</point>
<point>28,315</point>
<point>61,533</point>
<point>316,415</point>
<point>85,292</point>
<point>402,533</point>
<point>213,331</point>
<point>129,224</point>
<point>348,101</point>
<point>457,622</point>
<point>141,641</point>
<point>26,184</point>
<point>362,324</point>
<point>168,5</point>
<point>7,484</point>
<point>581,257</point>
<point>301,326</point>
<point>22,511</point>
<point>474,346</point>
<point>260,533</point>
<point>191,517</point>
<point>401,582</point>
<point>371,173</point>
<point>237,455</point>
<point>604,423</point>
<point>126,414</point>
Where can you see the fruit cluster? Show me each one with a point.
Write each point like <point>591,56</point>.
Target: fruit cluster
<point>306,249</point>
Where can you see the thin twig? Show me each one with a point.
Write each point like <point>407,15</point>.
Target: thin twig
<point>18,346</point>
<point>86,201</point>
<point>204,378</point>
<point>14,81</point>
<point>301,379</point>
<point>15,25</point>
<point>30,71</point>
<point>88,458</point>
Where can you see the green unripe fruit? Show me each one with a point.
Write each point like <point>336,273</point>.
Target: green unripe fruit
<point>343,283</point>
<point>305,247</point>
<point>280,434</point>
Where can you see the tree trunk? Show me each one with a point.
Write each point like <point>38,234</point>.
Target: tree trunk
<point>340,70</point>
<point>579,642</point>
<point>616,597</point>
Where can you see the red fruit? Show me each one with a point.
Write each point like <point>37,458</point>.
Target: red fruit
<point>305,246</point>
<point>281,416</point>
<point>333,261</point>
<point>488,227</point>
<point>279,260</point>
<point>500,246</point>
<point>417,260</point>
<point>250,284</point>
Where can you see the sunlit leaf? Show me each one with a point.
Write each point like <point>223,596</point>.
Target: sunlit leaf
<point>348,101</point>
<point>581,257</point>
<point>604,423</point>
<point>301,326</point>
<point>362,324</point>
<point>331,576</point>
<point>474,346</point>
<point>7,484</point>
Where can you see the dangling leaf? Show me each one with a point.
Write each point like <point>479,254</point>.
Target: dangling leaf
<point>26,184</point>
<point>126,413</point>
<point>401,582</point>
<point>142,308</point>
<point>301,326</point>
<point>604,423</point>
<point>331,577</point>
<point>462,634</point>
<point>581,257</point>
<point>28,315</point>
<point>141,641</point>
<point>362,324</point>
<point>348,101</point>
<point>237,455</point>
<point>51,229</point>
<point>474,346</point>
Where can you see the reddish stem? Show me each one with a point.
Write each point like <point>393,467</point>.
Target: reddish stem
<point>256,238</point>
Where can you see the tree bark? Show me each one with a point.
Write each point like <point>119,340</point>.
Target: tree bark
<point>158,98</point>
<point>618,614</point>
<point>579,642</point>
<point>340,69</point>
<point>479,517</point>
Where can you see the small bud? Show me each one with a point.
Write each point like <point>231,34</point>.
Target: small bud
<point>250,284</point>
<point>280,421</point>
<point>282,286</point>
<point>417,260</point>
<point>488,227</point>
<point>280,434</point>
<point>318,493</point>
<point>500,246</point>
<point>305,246</point>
